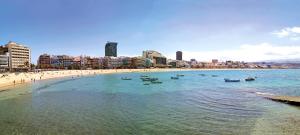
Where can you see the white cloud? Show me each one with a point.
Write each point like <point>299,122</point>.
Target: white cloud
<point>292,33</point>
<point>247,52</point>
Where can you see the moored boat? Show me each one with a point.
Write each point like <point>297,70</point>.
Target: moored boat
<point>179,75</point>
<point>149,79</point>
<point>126,78</point>
<point>174,78</point>
<point>156,82</point>
<point>250,79</point>
<point>230,80</point>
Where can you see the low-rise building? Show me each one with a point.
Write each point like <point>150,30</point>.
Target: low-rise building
<point>141,62</point>
<point>126,62</point>
<point>215,61</point>
<point>178,64</point>
<point>44,61</point>
<point>78,62</point>
<point>62,61</point>
<point>112,62</point>
<point>157,58</point>
<point>93,63</point>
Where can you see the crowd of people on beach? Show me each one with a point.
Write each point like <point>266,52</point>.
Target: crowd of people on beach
<point>14,78</point>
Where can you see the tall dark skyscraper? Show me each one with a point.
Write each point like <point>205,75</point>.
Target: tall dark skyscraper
<point>111,49</point>
<point>178,55</point>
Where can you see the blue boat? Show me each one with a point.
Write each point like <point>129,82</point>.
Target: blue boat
<point>126,78</point>
<point>249,79</point>
<point>230,80</point>
<point>174,78</point>
<point>149,79</point>
<point>156,82</point>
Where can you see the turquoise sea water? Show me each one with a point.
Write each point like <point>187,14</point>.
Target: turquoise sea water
<point>200,105</point>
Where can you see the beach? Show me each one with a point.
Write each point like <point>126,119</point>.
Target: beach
<point>105,104</point>
<point>17,78</point>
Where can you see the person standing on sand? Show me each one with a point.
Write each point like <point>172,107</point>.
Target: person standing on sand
<point>14,82</point>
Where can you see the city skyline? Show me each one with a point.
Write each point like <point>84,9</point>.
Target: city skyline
<point>226,30</point>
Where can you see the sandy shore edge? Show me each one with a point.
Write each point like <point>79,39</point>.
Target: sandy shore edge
<point>12,79</point>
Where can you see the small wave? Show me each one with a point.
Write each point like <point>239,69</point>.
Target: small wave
<point>264,93</point>
<point>259,93</point>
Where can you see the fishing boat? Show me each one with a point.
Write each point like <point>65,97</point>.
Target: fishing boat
<point>153,79</point>
<point>230,80</point>
<point>179,75</point>
<point>156,82</point>
<point>143,76</point>
<point>149,79</point>
<point>174,78</point>
<point>126,78</point>
<point>202,74</point>
<point>250,79</point>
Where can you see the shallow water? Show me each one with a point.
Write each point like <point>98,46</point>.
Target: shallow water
<point>105,104</point>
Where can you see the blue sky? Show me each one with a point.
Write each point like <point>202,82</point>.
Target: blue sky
<point>249,30</point>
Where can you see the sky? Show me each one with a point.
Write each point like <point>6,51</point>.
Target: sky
<point>248,30</point>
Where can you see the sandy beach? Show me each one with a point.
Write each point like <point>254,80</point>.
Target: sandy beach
<point>11,79</point>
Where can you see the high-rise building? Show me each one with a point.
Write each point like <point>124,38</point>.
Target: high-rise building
<point>18,56</point>
<point>111,49</point>
<point>178,55</point>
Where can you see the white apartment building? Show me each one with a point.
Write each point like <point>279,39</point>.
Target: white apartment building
<point>19,56</point>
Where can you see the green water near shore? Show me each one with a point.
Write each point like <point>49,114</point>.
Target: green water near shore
<point>105,104</point>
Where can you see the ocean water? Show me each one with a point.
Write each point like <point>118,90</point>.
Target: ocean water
<point>192,105</point>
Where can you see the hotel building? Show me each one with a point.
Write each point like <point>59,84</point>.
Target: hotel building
<point>157,58</point>
<point>4,64</point>
<point>18,56</point>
